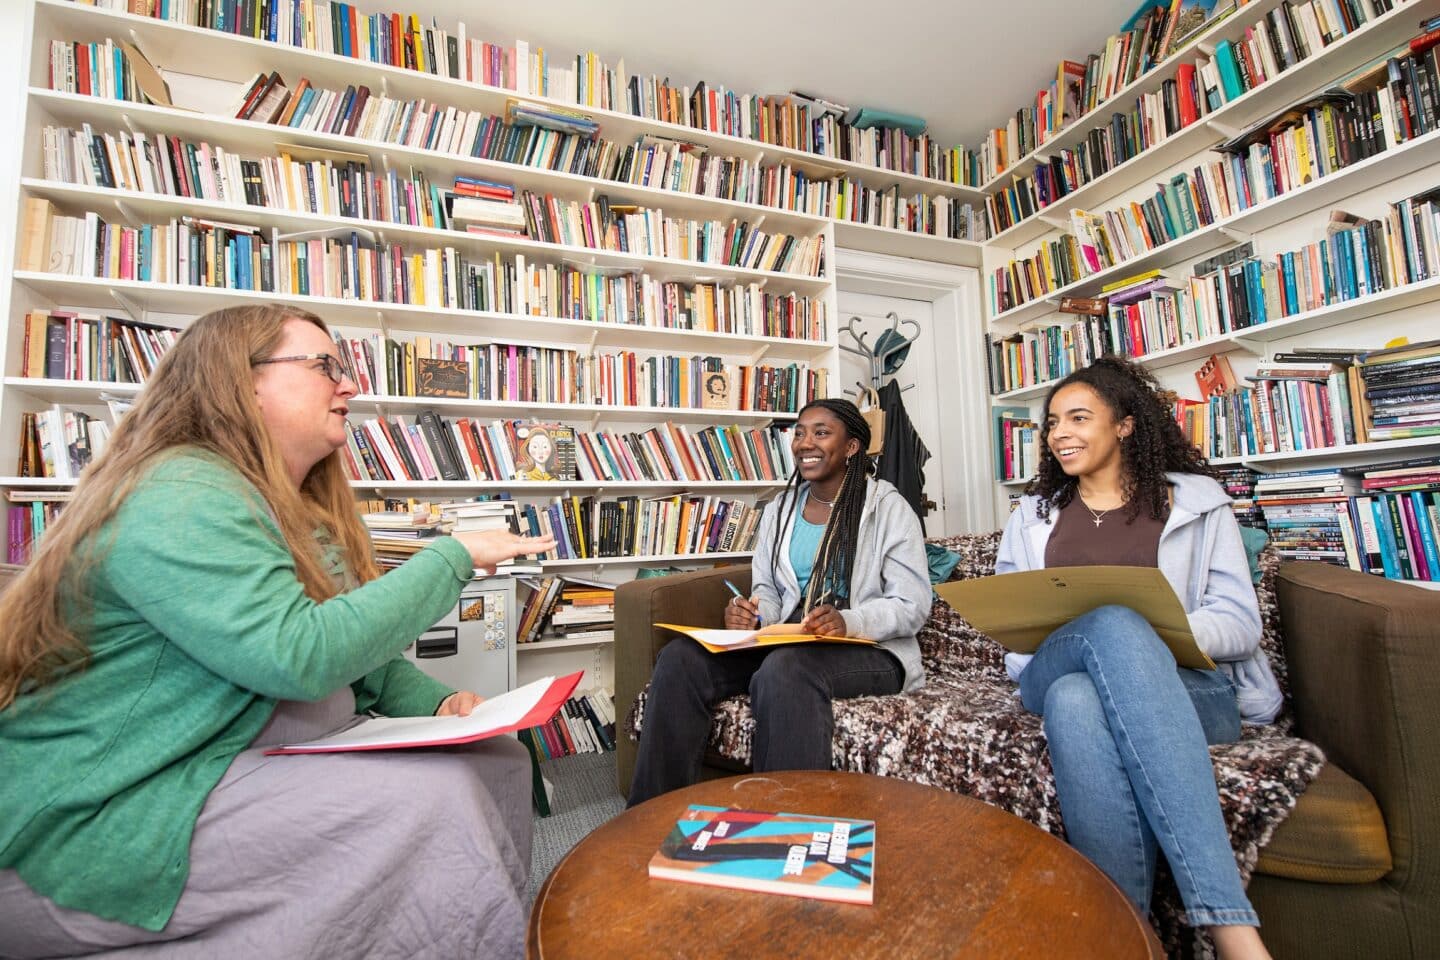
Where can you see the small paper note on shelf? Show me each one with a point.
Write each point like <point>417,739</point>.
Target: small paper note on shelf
<point>521,708</point>
<point>777,634</point>
<point>1019,610</point>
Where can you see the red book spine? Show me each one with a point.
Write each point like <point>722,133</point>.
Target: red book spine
<point>1185,92</point>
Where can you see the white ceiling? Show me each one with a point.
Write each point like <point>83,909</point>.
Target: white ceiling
<point>964,66</point>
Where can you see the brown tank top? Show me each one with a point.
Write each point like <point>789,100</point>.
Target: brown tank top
<point>1078,541</point>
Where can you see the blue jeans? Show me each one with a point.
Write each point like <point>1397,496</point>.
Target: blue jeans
<point>1128,733</point>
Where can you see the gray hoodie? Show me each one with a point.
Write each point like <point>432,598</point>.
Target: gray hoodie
<point>1202,556</point>
<point>889,586</point>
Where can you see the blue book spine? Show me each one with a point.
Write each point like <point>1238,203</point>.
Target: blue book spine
<point>1229,70</point>
<point>1427,534</point>
<point>1362,270</point>
<point>1327,278</point>
<point>1257,292</point>
<point>1388,557</point>
<point>1347,265</point>
<point>1292,298</point>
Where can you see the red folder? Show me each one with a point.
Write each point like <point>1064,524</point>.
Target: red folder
<point>539,701</point>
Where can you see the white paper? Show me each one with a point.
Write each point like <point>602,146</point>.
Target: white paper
<point>507,709</point>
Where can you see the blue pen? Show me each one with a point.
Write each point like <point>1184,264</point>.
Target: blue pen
<point>736,590</point>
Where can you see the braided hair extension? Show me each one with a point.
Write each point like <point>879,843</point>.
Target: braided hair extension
<point>1156,445</point>
<point>835,559</point>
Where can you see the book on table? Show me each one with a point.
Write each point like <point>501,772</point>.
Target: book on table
<point>528,706</point>
<point>775,635</point>
<point>1019,610</point>
<point>793,854</point>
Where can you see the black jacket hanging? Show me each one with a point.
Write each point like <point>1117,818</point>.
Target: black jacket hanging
<point>903,457</point>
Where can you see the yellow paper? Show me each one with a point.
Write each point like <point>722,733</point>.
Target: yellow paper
<point>721,641</point>
<point>1021,609</point>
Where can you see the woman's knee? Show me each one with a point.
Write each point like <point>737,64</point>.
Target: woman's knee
<point>783,674</point>
<point>1116,627</point>
<point>1074,717</point>
<point>679,662</point>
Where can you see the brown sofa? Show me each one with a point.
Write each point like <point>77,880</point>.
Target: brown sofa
<point>1354,870</point>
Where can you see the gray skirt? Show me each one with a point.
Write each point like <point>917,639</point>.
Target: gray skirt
<point>403,853</point>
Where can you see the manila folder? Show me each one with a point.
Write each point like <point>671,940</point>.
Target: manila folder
<point>1019,610</point>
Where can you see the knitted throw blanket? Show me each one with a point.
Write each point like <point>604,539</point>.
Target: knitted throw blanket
<point>967,731</point>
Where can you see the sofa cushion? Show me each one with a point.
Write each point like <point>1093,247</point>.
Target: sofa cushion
<point>1334,835</point>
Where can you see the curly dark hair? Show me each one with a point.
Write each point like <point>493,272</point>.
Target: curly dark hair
<point>1155,447</point>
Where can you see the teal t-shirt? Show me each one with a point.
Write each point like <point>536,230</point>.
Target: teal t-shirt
<point>804,544</point>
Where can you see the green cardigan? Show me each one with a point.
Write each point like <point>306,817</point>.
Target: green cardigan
<point>196,626</point>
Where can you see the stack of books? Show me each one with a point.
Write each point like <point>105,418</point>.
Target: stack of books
<point>1402,391</point>
<point>1239,483</point>
<point>485,206</point>
<point>400,534</point>
<point>1306,513</point>
<point>585,611</point>
<point>586,724</point>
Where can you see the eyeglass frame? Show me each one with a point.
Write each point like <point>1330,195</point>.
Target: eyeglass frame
<point>334,370</point>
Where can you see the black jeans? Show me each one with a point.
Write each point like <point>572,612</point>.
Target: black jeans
<point>791,691</point>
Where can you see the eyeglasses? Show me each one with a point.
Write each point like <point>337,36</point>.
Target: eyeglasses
<point>331,366</point>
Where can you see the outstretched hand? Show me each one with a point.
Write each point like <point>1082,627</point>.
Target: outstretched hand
<point>490,547</point>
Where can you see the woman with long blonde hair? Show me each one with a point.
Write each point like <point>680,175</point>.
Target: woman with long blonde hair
<point>211,591</point>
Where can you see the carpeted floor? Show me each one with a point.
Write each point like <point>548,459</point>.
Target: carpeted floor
<point>585,797</point>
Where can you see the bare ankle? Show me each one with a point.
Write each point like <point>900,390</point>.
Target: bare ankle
<point>1239,943</point>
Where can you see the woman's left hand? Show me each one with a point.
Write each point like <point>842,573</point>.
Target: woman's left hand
<point>459,704</point>
<point>824,620</point>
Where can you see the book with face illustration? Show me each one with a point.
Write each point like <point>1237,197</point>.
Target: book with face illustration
<point>793,854</point>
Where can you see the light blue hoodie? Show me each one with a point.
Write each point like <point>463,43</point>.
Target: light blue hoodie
<point>889,585</point>
<point>1202,556</point>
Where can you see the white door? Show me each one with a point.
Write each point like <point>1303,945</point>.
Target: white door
<point>920,373</point>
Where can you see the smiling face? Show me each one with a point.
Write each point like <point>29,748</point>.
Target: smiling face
<point>301,406</point>
<point>1083,433</point>
<point>821,446</point>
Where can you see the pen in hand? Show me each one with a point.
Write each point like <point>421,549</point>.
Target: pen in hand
<point>740,596</point>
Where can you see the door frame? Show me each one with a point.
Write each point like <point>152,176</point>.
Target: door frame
<point>954,295</point>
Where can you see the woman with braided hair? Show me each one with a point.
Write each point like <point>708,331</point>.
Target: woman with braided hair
<point>1118,484</point>
<point>839,552</point>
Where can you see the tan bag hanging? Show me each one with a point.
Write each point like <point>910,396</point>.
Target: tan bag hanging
<point>869,403</point>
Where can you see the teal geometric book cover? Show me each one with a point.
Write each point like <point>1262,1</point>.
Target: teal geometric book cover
<point>798,855</point>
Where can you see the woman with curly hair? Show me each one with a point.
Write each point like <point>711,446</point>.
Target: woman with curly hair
<point>1119,484</point>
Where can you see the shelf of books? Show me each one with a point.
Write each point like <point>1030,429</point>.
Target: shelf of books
<point>1144,236</point>
<point>1246,255</point>
<point>1173,110</point>
<point>499,262</point>
<point>788,151</point>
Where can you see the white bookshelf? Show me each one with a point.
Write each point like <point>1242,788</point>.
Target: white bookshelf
<point>204,52</point>
<point>1283,223</point>
<point>1336,60</point>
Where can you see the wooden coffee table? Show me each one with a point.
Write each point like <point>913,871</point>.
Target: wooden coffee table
<point>954,877</point>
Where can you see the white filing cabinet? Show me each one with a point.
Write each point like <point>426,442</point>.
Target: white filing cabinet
<point>473,647</point>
